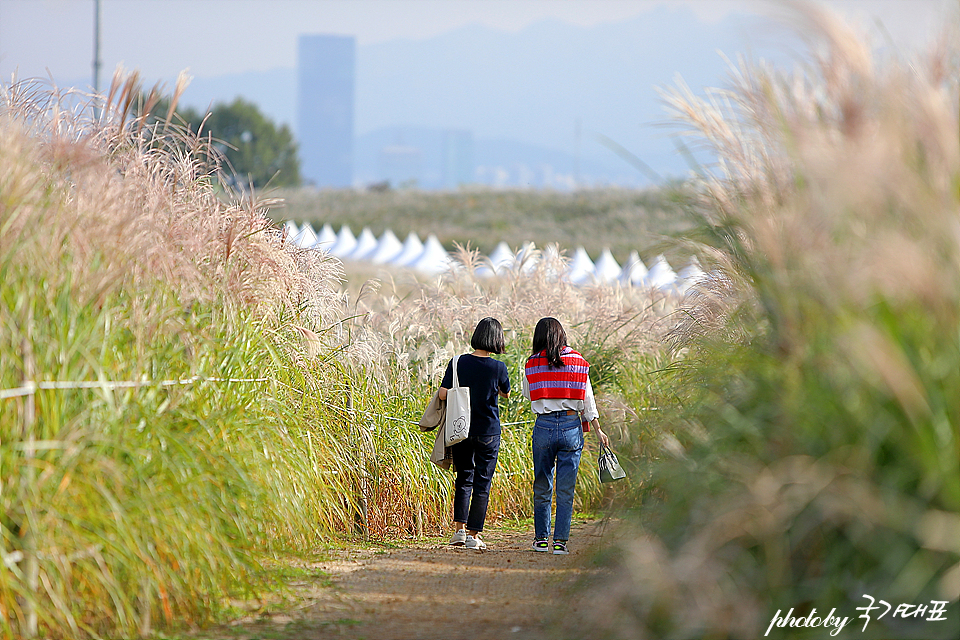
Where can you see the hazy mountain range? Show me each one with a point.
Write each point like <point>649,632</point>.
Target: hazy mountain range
<point>524,95</point>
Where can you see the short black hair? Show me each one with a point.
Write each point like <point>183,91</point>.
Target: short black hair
<point>488,336</point>
<point>550,337</point>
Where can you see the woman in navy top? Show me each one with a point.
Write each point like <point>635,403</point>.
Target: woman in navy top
<point>475,458</point>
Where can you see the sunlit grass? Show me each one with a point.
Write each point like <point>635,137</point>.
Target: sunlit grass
<point>129,508</point>
<point>157,506</point>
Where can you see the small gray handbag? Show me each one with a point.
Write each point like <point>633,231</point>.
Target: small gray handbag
<point>608,466</point>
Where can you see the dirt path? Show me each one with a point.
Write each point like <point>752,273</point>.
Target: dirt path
<point>426,591</point>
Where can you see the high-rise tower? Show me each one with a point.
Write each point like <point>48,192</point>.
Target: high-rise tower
<point>325,94</point>
<point>456,158</point>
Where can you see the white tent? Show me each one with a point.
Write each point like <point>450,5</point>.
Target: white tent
<point>326,238</point>
<point>581,268</point>
<point>607,268</point>
<point>346,242</point>
<point>634,271</point>
<point>527,257</point>
<point>661,275</point>
<point>551,261</point>
<point>689,275</point>
<point>388,248</point>
<point>692,271</point>
<point>434,258</point>
<point>290,230</point>
<point>366,245</point>
<point>412,248</point>
<point>306,238</point>
<point>502,257</point>
<point>496,262</point>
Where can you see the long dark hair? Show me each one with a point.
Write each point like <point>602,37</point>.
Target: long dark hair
<point>550,337</point>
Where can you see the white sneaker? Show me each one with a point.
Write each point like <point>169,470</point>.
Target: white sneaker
<point>474,543</point>
<point>459,537</point>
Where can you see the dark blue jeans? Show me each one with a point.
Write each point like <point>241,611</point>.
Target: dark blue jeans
<point>475,460</point>
<point>557,445</point>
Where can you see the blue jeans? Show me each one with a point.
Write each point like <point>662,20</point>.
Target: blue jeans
<point>475,460</point>
<point>557,444</point>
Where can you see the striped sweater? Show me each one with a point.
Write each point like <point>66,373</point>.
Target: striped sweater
<point>546,382</point>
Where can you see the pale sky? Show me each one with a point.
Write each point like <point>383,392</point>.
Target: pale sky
<point>206,38</point>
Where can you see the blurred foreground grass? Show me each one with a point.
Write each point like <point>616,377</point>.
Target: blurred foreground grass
<point>810,456</point>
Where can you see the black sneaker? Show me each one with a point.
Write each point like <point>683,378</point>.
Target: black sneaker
<point>541,545</point>
<point>560,548</point>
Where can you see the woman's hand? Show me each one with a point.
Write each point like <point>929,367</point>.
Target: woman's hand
<point>442,394</point>
<point>604,439</point>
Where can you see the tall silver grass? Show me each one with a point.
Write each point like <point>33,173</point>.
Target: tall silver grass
<point>809,453</point>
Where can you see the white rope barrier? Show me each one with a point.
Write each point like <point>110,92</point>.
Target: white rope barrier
<point>12,559</point>
<point>19,391</point>
<point>32,386</point>
<point>405,421</point>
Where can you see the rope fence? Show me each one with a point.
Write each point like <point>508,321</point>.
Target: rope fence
<point>27,558</point>
<point>417,424</point>
<point>30,386</point>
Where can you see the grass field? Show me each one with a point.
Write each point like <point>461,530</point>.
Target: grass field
<point>621,220</point>
<point>185,395</point>
<point>791,431</point>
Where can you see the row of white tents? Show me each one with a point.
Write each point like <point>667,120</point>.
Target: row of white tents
<point>430,258</point>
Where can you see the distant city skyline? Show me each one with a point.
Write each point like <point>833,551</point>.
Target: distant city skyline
<point>532,86</point>
<point>207,38</point>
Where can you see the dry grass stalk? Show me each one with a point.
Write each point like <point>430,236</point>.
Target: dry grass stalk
<point>838,174</point>
<point>138,196</point>
<point>835,196</point>
<point>420,329</point>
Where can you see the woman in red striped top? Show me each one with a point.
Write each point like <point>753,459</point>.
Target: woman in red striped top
<point>557,383</point>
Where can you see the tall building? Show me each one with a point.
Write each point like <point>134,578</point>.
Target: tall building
<point>325,94</point>
<point>457,158</point>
